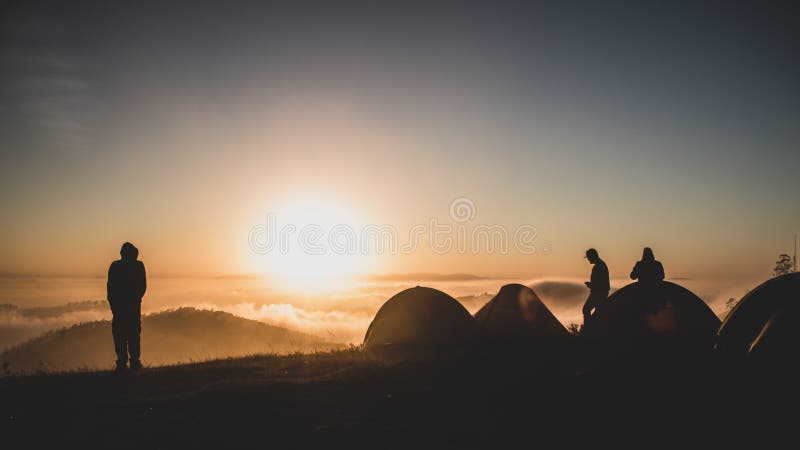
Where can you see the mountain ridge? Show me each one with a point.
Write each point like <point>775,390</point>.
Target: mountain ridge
<point>168,337</point>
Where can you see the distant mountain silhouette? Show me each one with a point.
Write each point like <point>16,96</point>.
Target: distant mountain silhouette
<point>47,312</point>
<point>20,324</point>
<point>169,337</point>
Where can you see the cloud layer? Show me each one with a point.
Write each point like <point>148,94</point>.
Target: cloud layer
<point>333,317</point>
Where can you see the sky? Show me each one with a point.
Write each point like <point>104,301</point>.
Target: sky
<point>182,128</point>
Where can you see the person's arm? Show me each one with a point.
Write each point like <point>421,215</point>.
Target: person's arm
<point>110,283</point>
<point>143,281</point>
<point>594,279</point>
<point>635,272</point>
<point>660,272</point>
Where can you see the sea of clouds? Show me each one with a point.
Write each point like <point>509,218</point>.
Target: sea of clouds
<point>32,306</point>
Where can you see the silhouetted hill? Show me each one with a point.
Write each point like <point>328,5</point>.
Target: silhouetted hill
<point>168,337</point>
<point>20,324</point>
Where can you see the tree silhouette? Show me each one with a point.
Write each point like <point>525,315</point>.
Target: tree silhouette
<point>783,265</point>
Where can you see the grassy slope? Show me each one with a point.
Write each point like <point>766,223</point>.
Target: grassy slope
<point>345,398</point>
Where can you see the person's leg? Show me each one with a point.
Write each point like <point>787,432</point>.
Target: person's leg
<point>134,337</point>
<point>587,308</point>
<point>600,300</point>
<point>120,340</point>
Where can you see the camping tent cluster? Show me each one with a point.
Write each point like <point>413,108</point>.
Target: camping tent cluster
<point>426,318</point>
<point>422,317</point>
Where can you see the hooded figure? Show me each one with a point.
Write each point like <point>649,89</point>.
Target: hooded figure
<point>126,286</point>
<point>648,270</point>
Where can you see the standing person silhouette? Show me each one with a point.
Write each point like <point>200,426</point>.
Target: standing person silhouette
<point>648,270</point>
<point>598,286</point>
<point>126,286</point>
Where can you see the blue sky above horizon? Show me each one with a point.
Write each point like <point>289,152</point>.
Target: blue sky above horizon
<point>619,125</point>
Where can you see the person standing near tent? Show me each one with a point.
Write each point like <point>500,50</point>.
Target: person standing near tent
<point>648,270</point>
<point>127,283</point>
<point>598,285</point>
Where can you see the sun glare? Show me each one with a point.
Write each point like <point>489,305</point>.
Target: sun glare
<point>302,258</point>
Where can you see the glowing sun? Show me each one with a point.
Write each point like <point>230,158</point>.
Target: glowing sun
<point>309,243</point>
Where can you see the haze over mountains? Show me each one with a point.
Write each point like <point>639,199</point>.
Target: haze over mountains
<point>335,316</point>
<point>18,323</point>
<point>170,337</point>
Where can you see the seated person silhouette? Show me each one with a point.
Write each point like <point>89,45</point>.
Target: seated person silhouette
<point>126,286</point>
<point>598,286</point>
<point>649,272</point>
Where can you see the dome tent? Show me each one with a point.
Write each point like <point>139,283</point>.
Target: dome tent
<point>760,322</point>
<point>516,311</point>
<point>779,338</point>
<point>420,316</point>
<point>663,308</point>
